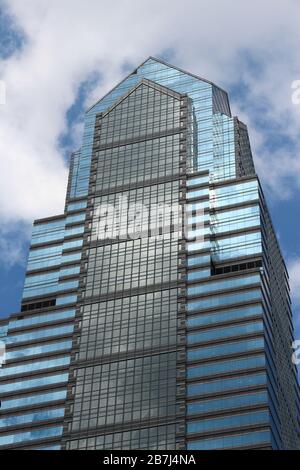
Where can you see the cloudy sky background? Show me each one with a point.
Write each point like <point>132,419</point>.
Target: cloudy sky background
<point>58,57</point>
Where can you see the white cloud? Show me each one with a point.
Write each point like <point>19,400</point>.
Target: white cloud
<point>12,245</point>
<point>67,41</point>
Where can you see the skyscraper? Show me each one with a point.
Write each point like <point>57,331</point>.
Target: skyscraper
<point>173,338</point>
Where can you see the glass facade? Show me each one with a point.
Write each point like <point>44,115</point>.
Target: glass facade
<point>134,335</point>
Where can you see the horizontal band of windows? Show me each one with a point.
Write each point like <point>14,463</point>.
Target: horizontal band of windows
<point>77,205</point>
<point>49,261</point>
<point>225,349</point>
<point>198,260</point>
<point>38,305</point>
<point>71,219</point>
<point>198,274</point>
<point>234,421</point>
<point>239,239</point>
<point>219,256</point>
<point>243,212</point>
<point>47,380</point>
<point>42,318</point>
<point>225,332</point>
<point>198,245</point>
<point>37,350</point>
<point>195,206</point>
<point>234,268</point>
<point>53,447</point>
<point>36,399</point>
<point>34,366</point>
<point>219,229</point>
<point>50,276</point>
<point>197,233</point>
<point>227,403</point>
<point>72,244</point>
<point>231,441</point>
<point>226,384</point>
<point>224,316</point>
<point>66,299</point>
<point>48,227</point>
<point>197,193</point>
<point>223,367</point>
<point>35,416</point>
<point>37,291</point>
<point>233,194</point>
<point>220,216</point>
<point>51,227</point>
<point>32,435</point>
<point>39,334</point>
<point>244,244</point>
<point>197,180</point>
<point>57,235</point>
<point>223,284</point>
<point>223,300</point>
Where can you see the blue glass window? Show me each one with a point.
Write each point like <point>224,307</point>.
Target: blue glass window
<point>48,231</point>
<point>225,403</point>
<point>71,257</point>
<point>240,245</point>
<point>231,365</point>
<point>31,435</point>
<point>33,399</point>
<point>39,415</point>
<point>37,382</point>
<point>66,299</point>
<point>223,284</point>
<point>201,179</point>
<point>199,274</point>
<point>197,193</point>
<point>49,256</point>
<point>234,194</point>
<point>41,349</point>
<point>198,260</point>
<point>39,365</point>
<point>70,271</point>
<point>224,349</point>
<point>42,318</point>
<point>220,300</point>
<point>198,245</point>
<point>67,245</point>
<point>37,334</point>
<point>73,206</point>
<point>36,291</point>
<point>235,219</point>
<point>226,384</point>
<point>74,231</point>
<point>227,442</point>
<point>44,283</point>
<point>225,422</point>
<point>75,218</point>
<point>224,316</point>
<point>225,332</point>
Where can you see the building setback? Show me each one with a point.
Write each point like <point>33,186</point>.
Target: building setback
<point>159,341</point>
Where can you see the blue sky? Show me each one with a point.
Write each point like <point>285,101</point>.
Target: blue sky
<point>55,65</point>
